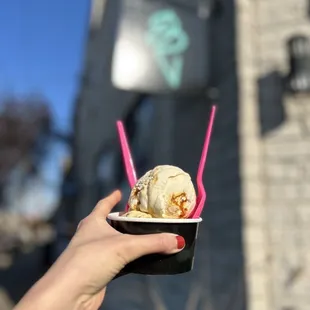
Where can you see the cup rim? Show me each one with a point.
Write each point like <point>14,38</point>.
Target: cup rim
<point>114,216</point>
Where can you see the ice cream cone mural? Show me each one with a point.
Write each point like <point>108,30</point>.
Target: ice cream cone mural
<point>169,41</point>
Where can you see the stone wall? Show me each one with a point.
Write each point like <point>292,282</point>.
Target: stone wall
<point>275,149</point>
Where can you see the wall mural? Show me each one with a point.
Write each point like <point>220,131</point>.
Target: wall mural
<point>168,41</point>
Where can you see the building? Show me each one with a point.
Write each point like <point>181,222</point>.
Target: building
<point>274,164</point>
<point>253,250</point>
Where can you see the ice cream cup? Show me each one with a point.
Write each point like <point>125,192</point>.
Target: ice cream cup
<point>159,264</point>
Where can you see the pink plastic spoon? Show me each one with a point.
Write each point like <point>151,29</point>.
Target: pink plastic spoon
<point>201,197</point>
<point>128,161</point>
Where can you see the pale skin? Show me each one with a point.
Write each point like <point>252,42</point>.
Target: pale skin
<point>95,255</point>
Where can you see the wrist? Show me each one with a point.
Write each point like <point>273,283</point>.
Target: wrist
<point>50,293</point>
<point>59,289</point>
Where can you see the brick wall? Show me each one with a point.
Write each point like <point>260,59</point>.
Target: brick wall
<point>275,165</point>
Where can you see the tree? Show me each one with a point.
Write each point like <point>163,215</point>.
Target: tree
<point>22,122</point>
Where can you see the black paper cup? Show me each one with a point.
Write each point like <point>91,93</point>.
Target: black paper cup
<point>159,264</point>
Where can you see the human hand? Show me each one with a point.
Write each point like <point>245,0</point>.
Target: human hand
<point>95,255</point>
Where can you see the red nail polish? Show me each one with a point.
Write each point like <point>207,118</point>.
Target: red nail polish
<point>180,242</point>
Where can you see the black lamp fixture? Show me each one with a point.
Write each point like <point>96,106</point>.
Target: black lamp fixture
<point>298,79</point>
<point>162,47</point>
<point>274,86</point>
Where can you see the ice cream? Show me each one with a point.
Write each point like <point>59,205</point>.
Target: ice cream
<point>164,192</point>
<point>137,214</point>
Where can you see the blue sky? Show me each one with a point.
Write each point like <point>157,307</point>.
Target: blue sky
<point>41,51</point>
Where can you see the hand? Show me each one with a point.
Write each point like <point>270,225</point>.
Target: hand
<point>95,255</point>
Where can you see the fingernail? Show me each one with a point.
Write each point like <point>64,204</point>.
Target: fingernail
<point>180,242</point>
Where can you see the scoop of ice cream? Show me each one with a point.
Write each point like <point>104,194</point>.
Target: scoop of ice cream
<point>164,192</point>
<point>137,214</point>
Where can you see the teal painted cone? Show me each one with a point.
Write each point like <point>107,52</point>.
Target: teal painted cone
<point>169,41</point>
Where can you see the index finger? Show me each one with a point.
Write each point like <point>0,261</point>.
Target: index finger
<point>104,206</point>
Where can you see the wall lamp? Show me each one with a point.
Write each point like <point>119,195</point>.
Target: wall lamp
<point>298,78</point>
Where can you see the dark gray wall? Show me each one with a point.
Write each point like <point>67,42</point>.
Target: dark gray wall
<point>219,260</point>
<point>179,126</point>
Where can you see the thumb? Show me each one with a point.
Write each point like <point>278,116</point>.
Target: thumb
<point>136,246</point>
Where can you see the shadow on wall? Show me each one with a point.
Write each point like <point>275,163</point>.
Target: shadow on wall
<point>271,104</point>
<point>217,281</point>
